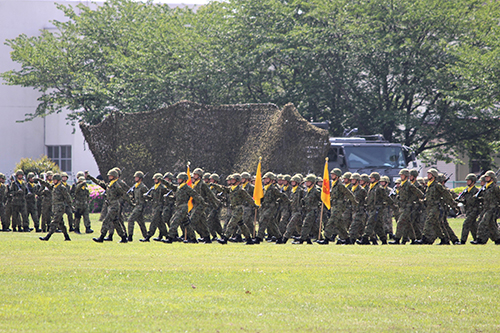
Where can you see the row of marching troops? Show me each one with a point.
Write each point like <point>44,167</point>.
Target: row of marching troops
<point>29,196</point>
<point>361,208</point>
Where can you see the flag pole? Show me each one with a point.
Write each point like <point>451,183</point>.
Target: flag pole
<point>325,195</point>
<point>321,221</point>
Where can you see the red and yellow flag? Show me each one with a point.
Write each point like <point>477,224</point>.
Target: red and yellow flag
<point>190,184</point>
<point>325,191</point>
<point>258,191</point>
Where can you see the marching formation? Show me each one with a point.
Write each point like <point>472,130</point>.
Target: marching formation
<point>342,208</point>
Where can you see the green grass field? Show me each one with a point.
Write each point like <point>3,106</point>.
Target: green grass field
<point>82,286</point>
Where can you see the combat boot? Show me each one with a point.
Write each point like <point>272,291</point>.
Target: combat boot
<point>130,238</point>
<point>28,229</point>
<point>71,229</point>
<point>281,240</point>
<point>191,241</point>
<point>222,240</point>
<point>77,231</point>
<point>99,240</point>
<point>363,241</point>
<point>38,230</point>
<point>88,231</point>
<point>167,240</point>
<point>207,240</point>
<point>395,241</point>
<point>108,239</point>
<point>374,241</point>
<point>46,238</point>
<point>298,241</point>
<point>309,242</point>
<point>66,237</point>
<point>383,241</point>
<point>325,241</point>
<point>444,241</point>
<point>123,240</point>
<point>405,240</point>
<point>257,240</point>
<point>478,242</point>
<point>341,242</point>
<point>249,241</point>
<point>146,239</point>
<point>497,242</point>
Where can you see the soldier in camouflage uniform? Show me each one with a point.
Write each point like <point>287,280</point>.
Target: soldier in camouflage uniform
<point>31,201</point>
<point>490,197</point>
<point>249,211</point>
<point>68,211</point>
<point>60,200</point>
<point>286,189</point>
<point>3,200</point>
<point>335,224</point>
<point>114,194</point>
<point>81,204</point>
<point>157,196</point>
<point>169,201</point>
<point>376,200</point>
<point>358,211</point>
<point>238,198</point>
<point>269,206</point>
<point>296,199</point>
<point>408,197</point>
<point>311,203</point>
<point>347,214</point>
<point>445,208</point>
<point>213,218</point>
<point>18,191</point>
<point>388,211</point>
<point>138,190</point>
<point>47,202</point>
<point>419,212</point>
<point>435,191</point>
<point>198,217</point>
<point>471,202</point>
<point>180,219</point>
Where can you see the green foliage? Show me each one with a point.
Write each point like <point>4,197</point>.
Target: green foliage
<point>406,69</point>
<point>81,286</point>
<point>38,166</point>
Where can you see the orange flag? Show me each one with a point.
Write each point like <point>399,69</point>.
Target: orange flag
<point>325,191</point>
<point>190,184</point>
<point>258,191</point>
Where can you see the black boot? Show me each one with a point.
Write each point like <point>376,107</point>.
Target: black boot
<point>71,229</point>
<point>46,238</point>
<point>341,242</point>
<point>159,238</point>
<point>395,241</point>
<point>298,241</point>
<point>374,241</point>
<point>363,241</point>
<point>99,240</point>
<point>77,231</point>
<point>405,240</point>
<point>38,230</point>
<point>478,242</point>
<point>383,241</point>
<point>222,240</point>
<point>123,240</point>
<point>444,241</point>
<point>66,237</point>
<point>129,238</point>
<point>145,239</point>
<point>257,240</point>
<point>325,241</point>
<point>497,242</point>
<point>89,231</point>
<point>167,240</point>
<point>108,239</point>
<point>282,240</point>
<point>207,240</point>
<point>249,241</point>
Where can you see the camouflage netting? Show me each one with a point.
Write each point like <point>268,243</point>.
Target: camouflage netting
<point>222,139</point>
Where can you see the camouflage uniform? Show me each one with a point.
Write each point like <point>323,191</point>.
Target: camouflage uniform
<point>213,218</point>
<point>180,218</point>
<point>358,214</point>
<point>46,206</point>
<point>68,211</point>
<point>285,207</point>
<point>238,198</point>
<point>268,210</point>
<point>157,196</point>
<point>408,197</point>
<point>32,203</point>
<point>198,217</point>
<point>471,202</point>
<point>60,199</point>
<point>81,205</point>
<point>311,202</point>
<point>447,230</point>
<point>18,190</point>
<point>336,223</point>
<point>3,200</point>
<point>488,227</point>
<point>137,215</point>
<point>296,197</point>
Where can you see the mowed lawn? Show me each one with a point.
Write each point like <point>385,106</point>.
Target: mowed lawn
<point>82,286</point>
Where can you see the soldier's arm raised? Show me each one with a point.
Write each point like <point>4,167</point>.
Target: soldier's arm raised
<point>98,182</point>
<point>44,183</point>
<point>169,185</point>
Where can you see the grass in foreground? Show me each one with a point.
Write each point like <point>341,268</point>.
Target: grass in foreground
<point>59,286</point>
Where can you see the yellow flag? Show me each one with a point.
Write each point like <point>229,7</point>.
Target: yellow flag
<point>258,192</point>
<point>325,191</point>
<point>190,184</point>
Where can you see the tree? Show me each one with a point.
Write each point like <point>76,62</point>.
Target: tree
<point>38,166</point>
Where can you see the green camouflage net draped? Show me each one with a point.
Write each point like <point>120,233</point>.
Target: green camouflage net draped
<point>222,139</point>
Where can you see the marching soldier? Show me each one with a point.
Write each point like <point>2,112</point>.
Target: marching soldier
<point>296,198</point>
<point>269,209</point>
<point>138,190</point>
<point>31,201</point>
<point>358,211</point>
<point>471,202</point>
<point>169,202</point>
<point>81,204</point>
<point>311,202</point>
<point>156,194</point>
<point>68,210</point>
<point>18,191</point>
<point>490,196</point>
<point>60,200</point>
<point>213,219</point>
<point>47,202</point>
<point>248,210</point>
<point>198,217</point>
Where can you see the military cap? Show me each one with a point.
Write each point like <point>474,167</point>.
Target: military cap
<point>405,172</point>
<point>472,177</point>
<point>385,179</point>
<point>57,176</point>
<point>287,177</point>
<point>206,175</point>
<point>347,175</point>
<point>80,174</point>
<point>157,176</point>
<point>336,171</point>
<point>279,177</point>
<point>49,173</point>
<point>490,174</point>
<point>311,178</point>
<point>30,175</point>
<point>398,181</point>
<point>230,177</point>
<point>246,175</point>
<point>296,179</point>
<point>81,179</point>
<point>364,177</point>
<point>433,172</point>
<point>139,174</point>
<point>482,178</point>
<point>19,172</point>
<point>111,172</point>
<point>441,177</point>
<point>355,176</point>
<point>168,175</point>
<point>2,176</point>
<point>301,176</point>
<point>414,172</point>
<point>118,170</point>
<point>375,175</point>
<point>198,171</point>
<point>237,177</point>
<point>215,177</point>
<point>64,174</point>
<point>269,175</point>
<point>183,176</point>
<point>319,179</point>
